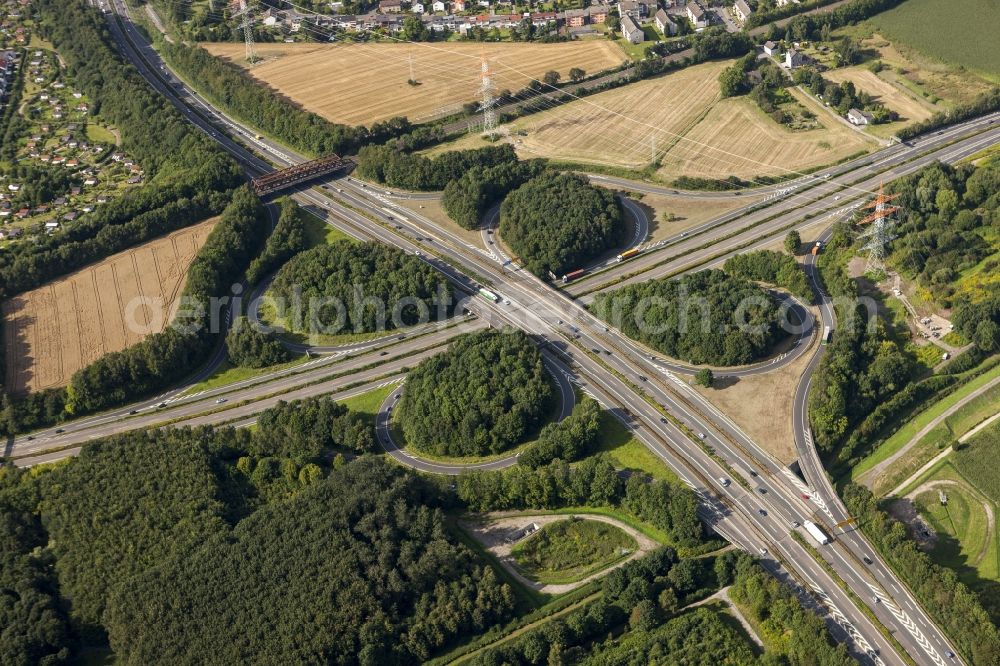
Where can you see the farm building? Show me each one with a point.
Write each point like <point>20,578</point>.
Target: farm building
<point>858,117</point>
<point>770,48</point>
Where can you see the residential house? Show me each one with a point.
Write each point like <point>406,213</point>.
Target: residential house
<point>51,226</point>
<point>742,10</point>
<point>390,6</point>
<point>858,117</point>
<point>634,8</point>
<point>630,31</point>
<point>770,48</point>
<point>697,15</point>
<point>12,233</point>
<point>665,24</point>
<point>576,18</point>
<point>598,13</point>
<point>417,8</point>
<point>794,59</point>
<point>438,6</point>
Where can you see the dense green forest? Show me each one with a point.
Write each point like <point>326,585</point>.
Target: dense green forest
<point>946,211</point>
<point>170,542</point>
<point>233,89</point>
<point>287,240</point>
<point>359,287</point>
<point>706,317</point>
<point>773,268</point>
<point>488,392</point>
<point>559,222</point>
<point>468,198</point>
<point>389,165</point>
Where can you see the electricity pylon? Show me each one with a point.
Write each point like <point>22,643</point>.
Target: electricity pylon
<point>247,25</point>
<point>882,223</point>
<point>488,99</point>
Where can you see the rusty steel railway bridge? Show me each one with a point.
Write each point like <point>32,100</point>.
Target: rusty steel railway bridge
<point>283,179</point>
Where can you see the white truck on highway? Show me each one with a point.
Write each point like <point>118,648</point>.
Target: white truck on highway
<point>816,533</point>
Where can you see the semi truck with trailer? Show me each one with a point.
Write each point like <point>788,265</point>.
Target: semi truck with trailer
<point>816,532</point>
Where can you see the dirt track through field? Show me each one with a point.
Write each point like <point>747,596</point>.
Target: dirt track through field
<point>60,327</point>
<point>364,83</point>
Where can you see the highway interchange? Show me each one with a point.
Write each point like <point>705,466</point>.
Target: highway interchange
<point>747,496</point>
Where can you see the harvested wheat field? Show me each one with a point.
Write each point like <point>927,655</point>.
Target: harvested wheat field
<point>737,138</point>
<point>54,330</point>
<point>363,83</point>
<point>614,127</point>
<point>693,130</point>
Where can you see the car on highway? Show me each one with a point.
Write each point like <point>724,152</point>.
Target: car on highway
<point>60,430</point>
<point>795,524</point>
<point>133,411</point>
<point>397,396</point>
<point>949,653</point>
<point>762,512</point>
<point>762,551</point>
<point>30,438</point>
<point>642,378</point>
<point>876,599</point>
<point>161,405</point>
<point>383,353</point>
<point>762,491</point>
<point>663,419</point>
<point>701,435</point>
<point>220,401</point>
<point>867,559</point>
<point>724,481</point>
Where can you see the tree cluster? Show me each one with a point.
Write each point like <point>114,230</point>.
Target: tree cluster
<point>558,222</point>
<point>488,392</point>
<point>249,347</point>
<point>39,184</point>
<point>945,211</point>
<point>843,96</point>
<point>389,165</point>
<point>467,199</point>
<point>287,240</point>
<point>771,267</point>
<point>957,609</point>
<point>304,430</point>
<point>360,287</point>
<point>165,357</point>
<point>233,89</point>
<point>570,439</point>
<point>591,482</point>
<point>810,26</point>
<point>708,317</point>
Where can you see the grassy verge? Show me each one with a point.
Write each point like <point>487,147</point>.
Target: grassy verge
<point>227,374</point>
<point>368,403</point>
<point>912,427</point>
<point>629,453</point>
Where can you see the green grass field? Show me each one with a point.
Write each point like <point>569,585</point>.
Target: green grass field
<point>967,543</point>
<point>961,32</point>
<point>227,374</point>
<point>977,460</point>
<point>368,403</point>
<point>319,232</point>
<point>570,550</point>
<point>100,134</point>
<point>630,453</point>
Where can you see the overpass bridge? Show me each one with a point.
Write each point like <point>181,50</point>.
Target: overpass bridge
<point>282,179</point>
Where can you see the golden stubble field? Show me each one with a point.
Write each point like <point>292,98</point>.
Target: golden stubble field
<point>54,330</point>
<point>692,129</point>
<point>363,83</point>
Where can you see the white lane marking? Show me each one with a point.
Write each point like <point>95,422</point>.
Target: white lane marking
<point>908,624</point>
